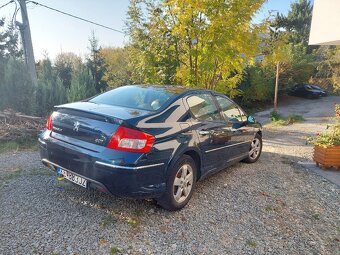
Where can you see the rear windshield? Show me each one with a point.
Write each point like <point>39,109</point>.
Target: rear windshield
<point>137,97</point>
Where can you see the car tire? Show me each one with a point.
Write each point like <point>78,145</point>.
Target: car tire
<point>180,184</point>
<point>255,150</point>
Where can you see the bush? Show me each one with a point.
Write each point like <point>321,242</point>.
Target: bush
<point>82,85</point>
<point>278,120</point>
<point>275,116</point>
<point>332,137</point>
<point>17,90</point>
<point>50,90</point>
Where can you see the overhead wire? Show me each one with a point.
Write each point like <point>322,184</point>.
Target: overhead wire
<point>14,17</point>
<point>76,17</point>
<point>2,6</point>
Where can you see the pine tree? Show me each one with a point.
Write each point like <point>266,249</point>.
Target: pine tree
<point>96,65</point>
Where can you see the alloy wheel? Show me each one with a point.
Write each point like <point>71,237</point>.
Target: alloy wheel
<point>255,148</point>
<point>183,183</point>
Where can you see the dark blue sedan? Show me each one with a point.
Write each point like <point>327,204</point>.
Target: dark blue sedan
<point>149,141</point>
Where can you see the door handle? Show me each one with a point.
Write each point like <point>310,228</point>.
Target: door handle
<point>204,132</point>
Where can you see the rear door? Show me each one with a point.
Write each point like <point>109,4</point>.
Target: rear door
<point>210,128</point>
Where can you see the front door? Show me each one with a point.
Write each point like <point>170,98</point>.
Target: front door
<point>235,120</point>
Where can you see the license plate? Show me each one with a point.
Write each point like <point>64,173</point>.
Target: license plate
<point>73,178</point>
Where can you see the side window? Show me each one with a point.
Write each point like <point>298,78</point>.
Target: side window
<point>203,107</point>
<point>230,111</point>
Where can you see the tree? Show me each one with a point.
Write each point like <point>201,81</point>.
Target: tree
<point>193,43</point>
<point>116,61</point>
<point>95,63</point>
<point>17,91</point>
<point>257,84</point>
<point>297,22</point>
<point>65,64</point>
<point>8,41</point>
<point>50,90</point>
<point>82,85</point>
<point>328,68</point>
<point>152,50</point>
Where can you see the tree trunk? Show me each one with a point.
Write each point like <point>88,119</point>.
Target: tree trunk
<point>276,85</point>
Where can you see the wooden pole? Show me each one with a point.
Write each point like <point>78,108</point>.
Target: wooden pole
<point>276,85</point>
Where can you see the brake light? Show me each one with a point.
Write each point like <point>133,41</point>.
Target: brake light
<point>127,139</point>
<point>49,123</point>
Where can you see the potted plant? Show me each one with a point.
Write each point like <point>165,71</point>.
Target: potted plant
<point>327,144</point>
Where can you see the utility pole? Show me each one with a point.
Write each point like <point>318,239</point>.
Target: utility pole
<point>26,39</point>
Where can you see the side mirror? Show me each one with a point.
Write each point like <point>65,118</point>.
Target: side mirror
<point>251,119</point>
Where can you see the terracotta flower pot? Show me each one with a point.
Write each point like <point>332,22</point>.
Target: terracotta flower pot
<point>327,156</point>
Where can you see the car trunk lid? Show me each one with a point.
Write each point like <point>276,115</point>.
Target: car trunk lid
<point>87,124</point>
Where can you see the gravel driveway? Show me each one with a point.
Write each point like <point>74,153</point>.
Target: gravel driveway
<point>271,207</point>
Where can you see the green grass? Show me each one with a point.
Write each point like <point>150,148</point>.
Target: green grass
<point>107,221</point>
<point>278,120</point>
<point>316,216</point>
<point>251,243</point>
<point>132,222</point>
<point>9,147</point>
<point>269,208</point>
<point>12,175</point>
<point>114,250</point>
<point>21,144</point>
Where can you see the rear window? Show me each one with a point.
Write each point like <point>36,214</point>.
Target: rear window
<point>315,87</point>
<point>137,97</point>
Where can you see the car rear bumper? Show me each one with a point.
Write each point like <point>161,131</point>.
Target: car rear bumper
<point>140,180</point>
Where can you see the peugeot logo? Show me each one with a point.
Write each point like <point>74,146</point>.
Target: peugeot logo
<point>76,126</point>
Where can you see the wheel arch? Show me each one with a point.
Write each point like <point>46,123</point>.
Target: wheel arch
<point>259,133</point>
<point>194,153</point>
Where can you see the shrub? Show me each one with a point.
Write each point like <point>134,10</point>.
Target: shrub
<point>332,136</point>
<point>278,120</point>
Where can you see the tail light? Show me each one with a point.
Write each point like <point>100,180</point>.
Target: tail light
<point>127,139</point>
<point>49,123</point>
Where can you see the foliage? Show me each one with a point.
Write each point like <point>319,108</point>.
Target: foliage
<point>82,85</point>
<point>153,51</point>
<point>297,67</point>
<point>297,22</point>
<point>328,68</point>
<point>116,61</point>
<point>8,41</point>
<point>50,90</point>
<point>16,87</point>
<point>332,136</point>
<point>65,64</point>
<point>285,45</point>
<point>275,116</point>
<point>21,144</point>
<point>295,63</point>
<point>193,43</point>
<point>96,65</point>
<point>257,83</point>
<point>278,120</point>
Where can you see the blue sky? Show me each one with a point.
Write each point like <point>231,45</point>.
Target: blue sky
<point>53,32</point>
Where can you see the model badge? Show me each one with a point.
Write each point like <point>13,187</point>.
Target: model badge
<point>76,126</point>
<point>57,129</point>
